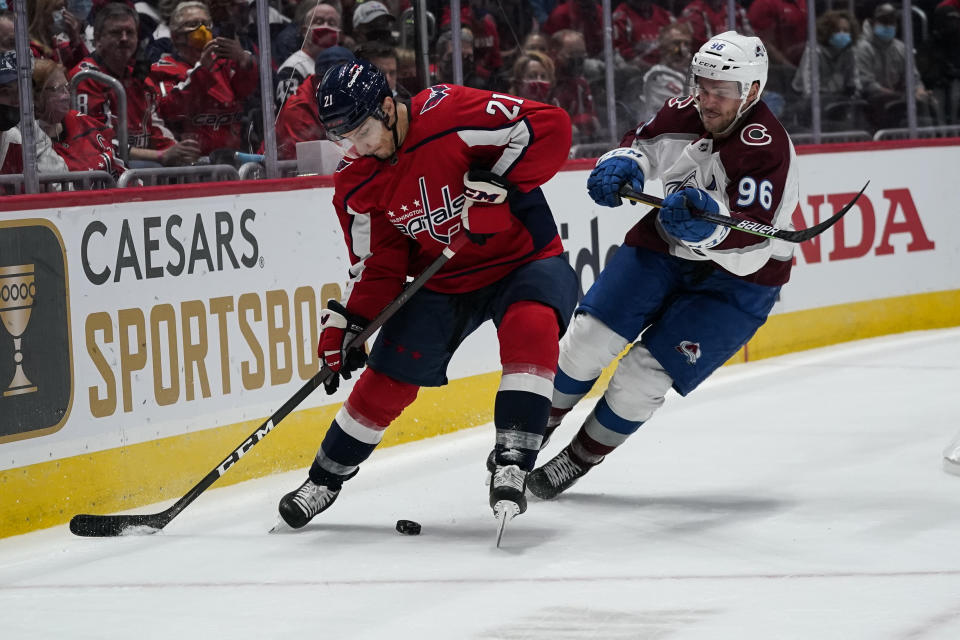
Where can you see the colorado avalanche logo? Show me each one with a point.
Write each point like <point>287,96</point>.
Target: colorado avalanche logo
<point>690,350</point>
<point>437,93</point>
<point>755,135</point>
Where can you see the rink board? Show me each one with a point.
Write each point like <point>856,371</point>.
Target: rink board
<point>160,326</point>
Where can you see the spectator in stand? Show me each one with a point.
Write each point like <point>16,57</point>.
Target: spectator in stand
<point>636,31</point>
<point>203,83</point>
<point>373,21</point>
<point>407,72</point>
<point>55,33</point>
<point>568,50</point>
<point>486,40</point>
<point>881,60</point>
<point>536,41</point>
<point>115,42</point>
<point>668,78</point>
<point>782,25</point>
<point>939,60</point>
<point>319,29</point>
<point>837,34</point>
<point>583,16</point>
<point>707,18</point>
<point>232,19</point>
<point>384,57</point>
<point>298,120</point>
<point>444,66</point>
<point>11,152</point>
<point>7,34</point>
<point>82,142</point>
<point>533,77</point>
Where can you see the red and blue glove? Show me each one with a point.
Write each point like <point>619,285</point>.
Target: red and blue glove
<point>338,327</point>
<point>677,216</point>
<point>614,169</point>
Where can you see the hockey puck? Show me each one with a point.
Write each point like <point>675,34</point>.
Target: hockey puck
<point>408,527</point>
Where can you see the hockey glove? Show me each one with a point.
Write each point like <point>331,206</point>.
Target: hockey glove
<point>677,215</point>
<point>614,169</point>
<point>485,210</point>
<point>337,328</point>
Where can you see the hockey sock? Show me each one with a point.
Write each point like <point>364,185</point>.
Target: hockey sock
<point>601,433</point>
<point>528,336</point>
<point>375,401</point>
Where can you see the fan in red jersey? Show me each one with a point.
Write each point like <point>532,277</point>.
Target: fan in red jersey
<point>686,292</point>
<point>115,38</point>
<point>455,160</point>
<point>81,141</point>
<point>203,83</point>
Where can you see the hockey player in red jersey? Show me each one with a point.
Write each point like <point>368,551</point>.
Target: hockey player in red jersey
<point>695,290</point>
<point>455,160</point>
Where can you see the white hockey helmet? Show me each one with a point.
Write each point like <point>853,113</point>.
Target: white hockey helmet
<point>731,56</point>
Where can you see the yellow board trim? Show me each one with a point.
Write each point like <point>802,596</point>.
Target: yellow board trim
<point>49,493</point>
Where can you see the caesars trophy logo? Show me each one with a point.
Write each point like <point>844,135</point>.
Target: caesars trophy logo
<point>36,373</point>
<point>18,290</point>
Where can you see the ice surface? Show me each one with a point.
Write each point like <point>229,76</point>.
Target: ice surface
<point>798,497</point>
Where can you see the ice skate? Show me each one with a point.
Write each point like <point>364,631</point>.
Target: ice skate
<point>507,498</point>
<point>298,507</point>
<point>556,476</point>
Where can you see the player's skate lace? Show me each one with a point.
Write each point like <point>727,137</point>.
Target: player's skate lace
<point>508,483</point>
<point>556,476</point>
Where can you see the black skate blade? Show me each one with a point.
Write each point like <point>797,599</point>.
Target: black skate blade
<point>504,511</point>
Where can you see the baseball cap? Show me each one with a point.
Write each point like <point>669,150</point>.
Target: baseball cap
<point>8,67</point>
<point>885,9</point>
<point>368,12</point>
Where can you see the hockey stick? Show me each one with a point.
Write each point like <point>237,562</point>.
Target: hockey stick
<point>749,226</point>
<point>116,525</point>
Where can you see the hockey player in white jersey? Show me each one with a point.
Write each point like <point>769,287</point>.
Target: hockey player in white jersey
<point>696,291</point>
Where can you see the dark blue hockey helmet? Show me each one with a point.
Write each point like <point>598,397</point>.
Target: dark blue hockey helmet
<point>350,93</point>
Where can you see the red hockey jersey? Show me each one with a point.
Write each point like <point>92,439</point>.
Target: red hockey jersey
<point>207,103</point>
<point>85,144</point>
<point>752,174</point>
<point>144,128</point>
<point>397,217</point>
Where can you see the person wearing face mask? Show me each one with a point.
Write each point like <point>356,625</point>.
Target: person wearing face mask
<point>298,120</point>
<point>486,40</point>
<point>881,62</point>
<point>372,20</point>
<point>444,64</point>
<point>572,92</point>
<point>636,31</point>
<point>11,149</point>
<point>533,77</point>
<point>837,33</point>
<point>54,32</point>
<point>203,83</point>
<point>319,29</point>
<point>82,142</point>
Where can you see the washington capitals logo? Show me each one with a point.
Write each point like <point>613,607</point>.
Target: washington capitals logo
<point>690,350</point>
<point>437,93</point>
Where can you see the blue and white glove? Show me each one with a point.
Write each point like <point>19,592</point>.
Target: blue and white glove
<point>677,217</point>
<point>614,169</point>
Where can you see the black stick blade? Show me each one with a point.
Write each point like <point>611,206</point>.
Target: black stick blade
<point>93,526</point>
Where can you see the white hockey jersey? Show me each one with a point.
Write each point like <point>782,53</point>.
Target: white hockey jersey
<point>752,174</point>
